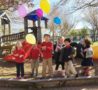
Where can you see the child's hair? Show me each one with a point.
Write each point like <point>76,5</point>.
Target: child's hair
<point>87,42</point>
<point>61,37</point>
<point>19,43</point>
<point>46,35</point>
<point>67,39</point>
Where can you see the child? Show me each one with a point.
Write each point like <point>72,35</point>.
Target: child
<point>88,57</point>
<point>57,52</point>
<point>19,58</point>
<point>46,49</point>
<point>66,56</point>
<point>35,54</point>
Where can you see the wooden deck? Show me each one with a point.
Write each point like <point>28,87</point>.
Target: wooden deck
<point>81,83</point>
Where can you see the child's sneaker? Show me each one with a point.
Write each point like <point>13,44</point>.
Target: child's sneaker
<point>18,78</point>
<point>76,75</point>
<point>32,74</point>
<point>22,77</point>
<point>36,74</point>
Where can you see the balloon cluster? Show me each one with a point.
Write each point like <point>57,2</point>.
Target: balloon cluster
<point>45,7</point>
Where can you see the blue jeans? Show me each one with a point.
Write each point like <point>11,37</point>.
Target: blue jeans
<point>20,69</point>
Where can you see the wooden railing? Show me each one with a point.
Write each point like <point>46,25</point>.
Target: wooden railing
<point>12,37</point>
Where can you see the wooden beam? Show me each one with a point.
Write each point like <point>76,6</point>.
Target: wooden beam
<point>26,25</point>
<point>39,34</point>
<point>9,28</point>
<point>46,21</point>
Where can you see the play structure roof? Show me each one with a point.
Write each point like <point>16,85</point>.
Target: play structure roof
<point>33,16</point>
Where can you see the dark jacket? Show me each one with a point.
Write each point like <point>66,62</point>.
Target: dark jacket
<point>66,54</point>
<point>57,54</point>
<point>79,51</point>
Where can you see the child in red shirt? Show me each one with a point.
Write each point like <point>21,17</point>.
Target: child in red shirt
<point>35,54</point>
<point>19,59</point>
<point>46,49</point>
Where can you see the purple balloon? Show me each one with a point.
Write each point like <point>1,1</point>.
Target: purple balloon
<point>39,13</point>
<point>22,10</point>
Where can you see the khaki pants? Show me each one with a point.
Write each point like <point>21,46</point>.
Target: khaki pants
<point>69,68</point>
<point>34,65</point>
<point>47,63</point>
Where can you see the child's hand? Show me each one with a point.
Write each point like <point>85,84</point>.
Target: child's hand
<point>16,55</point>
<point>21,56</point>
<point>13,58</point>
<point>44,48</point>
<point>85,50</point>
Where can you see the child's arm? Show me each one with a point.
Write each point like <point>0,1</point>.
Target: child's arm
<point>50,48</point>
<point>22,54</point>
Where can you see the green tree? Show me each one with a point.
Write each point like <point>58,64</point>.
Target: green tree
<point>84,32</point>
<point>79,32</point>
<point>73,32</point>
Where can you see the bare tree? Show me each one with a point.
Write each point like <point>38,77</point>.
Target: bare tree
<point>91,16</point>
<point>7,4</point>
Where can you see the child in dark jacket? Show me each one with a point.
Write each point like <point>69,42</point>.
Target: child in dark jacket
<point>57,52</point>
<point>66,56</point>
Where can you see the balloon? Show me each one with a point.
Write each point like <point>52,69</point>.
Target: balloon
<point>57,20</point>
<point>39,13</point>
<point>95,50</point>
<point>22,10</point>
<point>45,5</point>
<point>30,38</point>
<point>95,44</point>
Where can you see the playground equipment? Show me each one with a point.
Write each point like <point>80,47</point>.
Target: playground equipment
<point>6,40</point>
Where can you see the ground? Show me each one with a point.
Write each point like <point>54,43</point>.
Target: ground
<point>8,69</point>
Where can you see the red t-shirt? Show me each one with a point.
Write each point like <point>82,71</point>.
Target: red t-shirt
<point>35,53</point>
<point>20,55</point>
<point>48,52</point>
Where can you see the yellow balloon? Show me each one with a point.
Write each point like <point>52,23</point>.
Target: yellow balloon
<point>95,50</point>
<point>45,6</point>
<point>30,38</point>
<point>95,44</point>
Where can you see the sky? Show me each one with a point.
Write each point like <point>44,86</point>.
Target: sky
<point>77,16</point>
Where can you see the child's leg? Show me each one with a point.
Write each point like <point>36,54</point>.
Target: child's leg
<point>18,69</point>
<point>87,70</point>
<point>67,69</point>
<point>62,64</point>
<point>44,67</point>
<point>36,67</point>
<point>50,68</point>
<point>57,65</point>
<point>22,69</point>
<point>72,68</point>
<point>32,66</point>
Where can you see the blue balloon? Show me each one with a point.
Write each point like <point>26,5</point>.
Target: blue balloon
<point>57,20</point>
